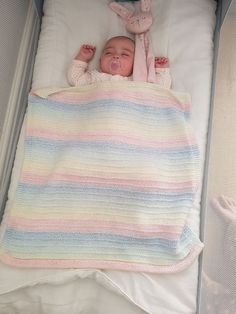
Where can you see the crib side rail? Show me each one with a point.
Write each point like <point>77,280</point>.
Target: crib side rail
<point>16,74</point>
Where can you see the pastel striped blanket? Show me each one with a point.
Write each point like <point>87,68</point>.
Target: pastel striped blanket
<point>109,176</point>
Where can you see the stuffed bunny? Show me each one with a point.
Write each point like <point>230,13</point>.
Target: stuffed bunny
<point>139,23</point>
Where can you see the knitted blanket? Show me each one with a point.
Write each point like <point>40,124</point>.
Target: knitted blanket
<point>109,177</point>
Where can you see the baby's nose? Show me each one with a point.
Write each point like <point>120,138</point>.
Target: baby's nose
<point>116,56</point>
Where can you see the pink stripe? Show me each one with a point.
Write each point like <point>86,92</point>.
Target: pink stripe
<point>171,232</point>
<point>110,136</point>
<point>58,178</point>
<point>173,267</point>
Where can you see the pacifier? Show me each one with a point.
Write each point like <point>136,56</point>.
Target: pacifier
<point>114,65</point>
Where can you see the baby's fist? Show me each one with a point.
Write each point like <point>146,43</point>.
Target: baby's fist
<point>161,62</point>
<point>86,53</point>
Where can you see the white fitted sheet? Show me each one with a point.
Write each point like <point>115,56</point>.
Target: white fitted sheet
<point>183,31</point>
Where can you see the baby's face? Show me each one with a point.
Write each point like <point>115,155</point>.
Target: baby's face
<point>118,57</point>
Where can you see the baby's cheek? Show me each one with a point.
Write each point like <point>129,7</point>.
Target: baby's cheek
<point>128,67</point>
<point>103,64</point>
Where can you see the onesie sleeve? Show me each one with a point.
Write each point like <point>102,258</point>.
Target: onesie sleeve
<point>163,77</point>
<point>78,74</point>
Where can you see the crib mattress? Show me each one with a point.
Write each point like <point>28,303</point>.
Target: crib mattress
<point>63,31</point>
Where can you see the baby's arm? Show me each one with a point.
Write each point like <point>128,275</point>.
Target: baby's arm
<point>77,74</point>
<point>162,70</point>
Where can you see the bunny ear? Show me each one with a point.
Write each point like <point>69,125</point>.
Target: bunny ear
<point>145,5</point>
<point>120,10</point>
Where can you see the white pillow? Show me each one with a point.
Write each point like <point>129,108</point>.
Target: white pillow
<point>66,25</point>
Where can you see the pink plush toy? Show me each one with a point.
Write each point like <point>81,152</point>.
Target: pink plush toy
<point>138,22</point>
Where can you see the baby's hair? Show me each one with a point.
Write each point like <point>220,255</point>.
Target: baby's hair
<point>120,37</point>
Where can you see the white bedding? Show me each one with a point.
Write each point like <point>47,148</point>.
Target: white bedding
<point>183,30</point>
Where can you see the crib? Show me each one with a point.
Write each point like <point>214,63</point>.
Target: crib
<point>189,33</point>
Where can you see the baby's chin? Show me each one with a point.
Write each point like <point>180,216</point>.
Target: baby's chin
<point>114,69</point>
<point>115,72</point>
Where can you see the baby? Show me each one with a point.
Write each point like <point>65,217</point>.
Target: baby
<point>116,63</point>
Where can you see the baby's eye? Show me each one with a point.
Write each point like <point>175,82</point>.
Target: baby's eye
<point>107,53</point>
<point>125,54</point>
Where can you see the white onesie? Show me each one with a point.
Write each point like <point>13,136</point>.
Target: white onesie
<point>79,74</point>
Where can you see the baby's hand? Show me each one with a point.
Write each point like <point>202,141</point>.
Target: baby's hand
<point>161,62</point>
<point>86,53</point>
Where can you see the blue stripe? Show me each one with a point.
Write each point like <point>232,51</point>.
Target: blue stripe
<point>84,190</point>
<point>112,147</point>
<point>96,240</point>
<point>103,104</point>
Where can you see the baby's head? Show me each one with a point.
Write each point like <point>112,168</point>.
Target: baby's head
<point>118,56</point>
